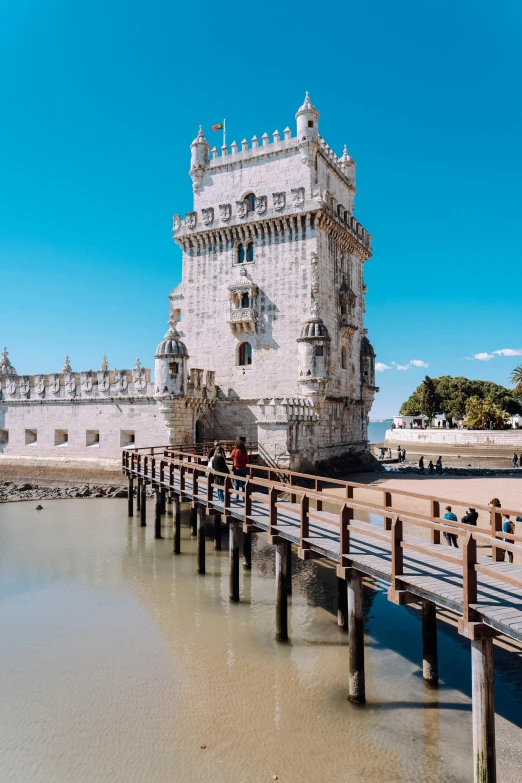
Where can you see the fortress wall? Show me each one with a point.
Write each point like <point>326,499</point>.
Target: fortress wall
<point>501,443</point>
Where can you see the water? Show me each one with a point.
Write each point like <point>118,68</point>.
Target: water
<point>377,430</point>
<point>119,662</point>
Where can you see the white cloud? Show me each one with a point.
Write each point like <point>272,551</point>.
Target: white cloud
<point>380,367</point>
<point>483,357</point>
<point>402,367</point>
<point>418,363</point>
<point>509,352</point>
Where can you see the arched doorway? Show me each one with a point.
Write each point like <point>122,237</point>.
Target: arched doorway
<point>200,431</point>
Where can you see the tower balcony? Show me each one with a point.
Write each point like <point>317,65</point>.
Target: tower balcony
<point>346,326</point>
<point>243,320</point>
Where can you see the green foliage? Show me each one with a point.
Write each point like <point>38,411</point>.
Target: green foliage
<point>516,380</point>
<point>452,395</point>
<point>429,398</point>
<point>484,414</point>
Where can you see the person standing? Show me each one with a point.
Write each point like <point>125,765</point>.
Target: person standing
<point>421,466</point>
<point>239,456</point>
<point>470,517</point>
<point>399,454</point>
<point>219,464</point>
<point>438,466</point>
<point>508,527</point>
<point>403,455</point>
<point>515,460</point>
<point>430,466</point>
<point>212,450</point>
<point>451,538</point>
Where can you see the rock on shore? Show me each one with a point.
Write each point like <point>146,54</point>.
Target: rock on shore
<point>12,491</point>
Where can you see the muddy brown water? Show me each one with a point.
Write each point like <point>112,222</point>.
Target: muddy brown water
<point>119,663</point>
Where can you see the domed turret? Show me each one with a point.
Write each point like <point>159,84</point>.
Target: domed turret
<point>199,160</point>
<point>313,354</point>
<point>170,365</point>
<point>348,166</point>
<point>6,368</point>
<point>367,363</point>
<point>307,131</point>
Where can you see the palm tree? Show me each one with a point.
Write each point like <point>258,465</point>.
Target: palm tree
<point>484,414</point>
<point>516,380</point>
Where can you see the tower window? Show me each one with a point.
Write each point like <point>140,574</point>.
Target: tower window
<point>245,300</point>
<point>251,202</point>
<point>240,253</point>
<point>245,354</point>
<point>61,437</point>
<point>173,368</point>
<point>250,252</point>
<point>92,438</point>
<point>343,358</point>
<point>310,123</point>
<point>244,252</point>
<point>319,350</point>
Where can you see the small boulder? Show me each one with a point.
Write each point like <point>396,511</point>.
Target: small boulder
<point>39,507</point>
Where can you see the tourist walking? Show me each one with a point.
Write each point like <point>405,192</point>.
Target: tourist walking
<point>421,466</point>
<point>430,466</point>
<point>399,454</point>
<point>403,455</point>
<point>219,464</point>
<point>508,527</point>
<point>239,456</point>
<point>515,460</point>
<point>451,538</point>
<point>212,450</point>
<point>438,466</point>
<point>470,517</point>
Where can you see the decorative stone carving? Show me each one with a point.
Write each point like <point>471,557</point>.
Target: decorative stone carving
<point>104,380</point>
<point>54,383</point>
<point>261,204</point>
<point>86,381</point>
<point>24,384</point>
<point>120,380</point>
<point>298,196</point>
<point>176,223</point>
<point>66,366</point>
<point>10,385</point>
<point>243,314</point>
<point>104,366</point>
<point>279,201</point>
<point>191,220</point>
<point>39,384</point>
<point>208,215</point>
<point>225,211</point>
<point>242,208</point>
<point>211,380</point>
<point>314,277</point>
<point>70,382</point>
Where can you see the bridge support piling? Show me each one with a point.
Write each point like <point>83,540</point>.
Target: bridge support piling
<point>342,604</point>
<point>356,688</point>
<point>157,513</point>
<point>217,531</point>
<point>130,502</point>
<point>163,497</point>
<point>138,494</point>
<point>193,522</point>
<point>233,532</point>
<point>430,664</point>
<point>289,570</point>
<point>483,711</point>
<point>143,504</point>
<point>281,566</point>
<point>201,539</point>
<point>170,511</point>
<point>177,524</point>
<point>247,551</point>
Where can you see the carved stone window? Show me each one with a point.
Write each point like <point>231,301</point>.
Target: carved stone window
<point>319,350</point>
<point>250,202</point>
<point>244,252</point>
<point>343,358</point>
<point>243,313</point>
<point>244,354</point>
<point>174,368</point>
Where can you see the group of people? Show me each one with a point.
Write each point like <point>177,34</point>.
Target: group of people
<point>517,462</point>
<point>217,462</point>
<point>437,467</point>
<point>471,517</point>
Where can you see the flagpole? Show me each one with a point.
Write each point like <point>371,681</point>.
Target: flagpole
<point>224,133</point>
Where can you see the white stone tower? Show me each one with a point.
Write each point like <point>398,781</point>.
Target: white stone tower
<point>273,293</point>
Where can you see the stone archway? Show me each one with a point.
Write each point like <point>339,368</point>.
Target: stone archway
<point>200,431</point>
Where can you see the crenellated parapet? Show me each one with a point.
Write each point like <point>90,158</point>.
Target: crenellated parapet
<point>284,410</point>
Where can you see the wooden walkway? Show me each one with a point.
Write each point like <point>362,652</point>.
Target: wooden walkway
<point>327,518</point>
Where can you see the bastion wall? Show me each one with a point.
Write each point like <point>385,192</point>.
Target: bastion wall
<point>501,443</point>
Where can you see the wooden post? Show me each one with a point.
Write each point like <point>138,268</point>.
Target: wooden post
<point>138,494</point>
<point>430,665</point>
<point>177,524</point>
<point>388,504</point>
<point>289,570</point>
<point>201,538</point>
<point>193,522</point>
<point>319,488</point>
<point>163,501</point>
<point>130,502</point>
<point>169,505</point>
<point>356,688</point>
<point>143,506</point>
<point>281,564</point>
<point>435,512</point>
<point>247,551</point>
<point>469,577</point>
<point>342,605</point>
<point>497,554</point>
<point>157,513</point>
<point>234,560</point>
<point>483,711</point>
<point>217,531</point>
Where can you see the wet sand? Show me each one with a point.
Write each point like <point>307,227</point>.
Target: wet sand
<point>119,663</point>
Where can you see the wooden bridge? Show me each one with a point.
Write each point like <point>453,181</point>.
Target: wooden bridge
<point>378,538</point>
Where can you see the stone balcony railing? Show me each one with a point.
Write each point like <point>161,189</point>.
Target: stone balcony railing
<point>243,319</point>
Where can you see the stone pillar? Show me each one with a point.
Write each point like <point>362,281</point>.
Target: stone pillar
<point>342,604</point>
<point>247,551</point>
<point>201,538</point>
<point>233,532</point>
<point>157,513</point>
<point>356,691</point>
<point>430,665</point>
<point>169,505</point>
<point>483,710</point>
<point>143,504</point>
<point>177,524</point>
<point>130,502</point>
<point>281,565</point>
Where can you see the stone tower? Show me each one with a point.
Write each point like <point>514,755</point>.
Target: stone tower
<point>273,296</point>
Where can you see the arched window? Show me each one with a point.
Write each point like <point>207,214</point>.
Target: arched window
<point>343,308</point>
<point>250,251</point>
<point>343,358</point>
<point>245,354</point>
<point>245,300</point>
<point>319,350</point>
<point>251,202</point>
<point>173,368</point>
<point>240,253</point>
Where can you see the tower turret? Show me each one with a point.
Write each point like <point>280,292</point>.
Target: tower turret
<point>6,368</point>
<point>307,130</point>
<point>170,364</point>
<point>348,166</point>
<point>199,159</point>
<point>313,354</point>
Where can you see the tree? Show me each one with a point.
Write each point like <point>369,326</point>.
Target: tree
<point>429,398</point>
<point>452,394</point>
<point>485,414</point>
<point>516,380</point>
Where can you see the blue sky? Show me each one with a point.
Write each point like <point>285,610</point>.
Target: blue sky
<point>100,100</point>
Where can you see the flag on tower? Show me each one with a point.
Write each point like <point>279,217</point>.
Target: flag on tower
<point>219,126</point>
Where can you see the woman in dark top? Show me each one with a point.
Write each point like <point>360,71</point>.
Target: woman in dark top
<point>219,464</point>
